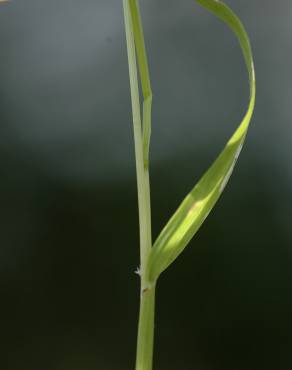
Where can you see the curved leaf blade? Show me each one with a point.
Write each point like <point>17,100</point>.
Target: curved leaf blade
<point>199,202</point>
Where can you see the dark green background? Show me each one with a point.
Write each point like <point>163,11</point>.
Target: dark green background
<point>68,204</point>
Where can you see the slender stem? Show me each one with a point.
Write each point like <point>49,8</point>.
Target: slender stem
<point>146,330</point>
<point>142,172</point>
<point>135,43</point>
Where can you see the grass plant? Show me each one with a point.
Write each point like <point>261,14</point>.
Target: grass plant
<point>185,222</point>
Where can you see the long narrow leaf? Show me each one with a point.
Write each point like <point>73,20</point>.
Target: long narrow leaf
<point>199,202</point>
<point>144,77</point>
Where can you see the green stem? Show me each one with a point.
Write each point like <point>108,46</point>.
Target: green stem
<point>135,43</point>
<point>146,329</point>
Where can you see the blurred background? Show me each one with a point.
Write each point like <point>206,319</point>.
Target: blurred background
<point>68,215</point>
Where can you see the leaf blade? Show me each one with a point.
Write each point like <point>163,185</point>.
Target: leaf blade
<point>199,202</point>
<point>144,77</point>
